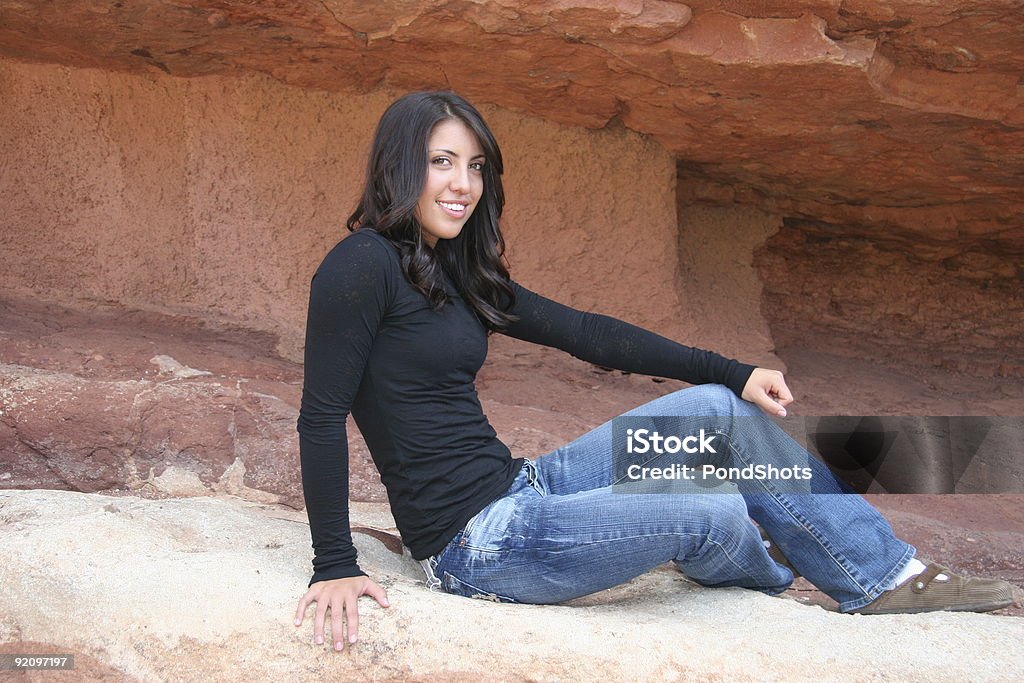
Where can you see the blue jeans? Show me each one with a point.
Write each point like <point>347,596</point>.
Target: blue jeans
<point>562,531</point>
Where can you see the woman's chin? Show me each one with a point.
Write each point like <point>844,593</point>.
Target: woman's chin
<point>433,237</point>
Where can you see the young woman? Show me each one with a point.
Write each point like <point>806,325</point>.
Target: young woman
<point>399,316</point>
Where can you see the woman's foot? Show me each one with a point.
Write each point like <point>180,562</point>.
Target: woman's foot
<point>938,589</point>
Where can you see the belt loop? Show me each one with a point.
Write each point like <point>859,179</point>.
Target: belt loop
<point>533,476</point>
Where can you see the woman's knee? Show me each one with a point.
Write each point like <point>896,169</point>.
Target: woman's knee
<point>706,400</point>
<point>724,512</point>
<point>724,401</point>
<point>722,521</point>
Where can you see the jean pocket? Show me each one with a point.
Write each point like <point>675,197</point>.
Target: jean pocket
<point>488,531</point>
<point>467,590</point>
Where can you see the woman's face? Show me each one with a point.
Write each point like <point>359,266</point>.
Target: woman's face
<point>455,181</point>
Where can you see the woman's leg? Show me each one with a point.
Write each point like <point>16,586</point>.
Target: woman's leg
<point>541,549</point>
<point>835,538</point>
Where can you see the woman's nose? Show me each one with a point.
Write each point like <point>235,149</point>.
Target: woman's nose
<point>459,180</point>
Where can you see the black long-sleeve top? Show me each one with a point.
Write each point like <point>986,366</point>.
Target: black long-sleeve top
<point>375,348</point>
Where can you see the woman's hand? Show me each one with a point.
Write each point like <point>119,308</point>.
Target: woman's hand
<point>342,596</point>
<point>768,391</point>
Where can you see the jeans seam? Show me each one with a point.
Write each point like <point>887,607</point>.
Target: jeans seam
<point>611,539</point>
<point>807,526</point>
<point>480,593</point>
<point>669,534</point>
<point>496,551</point>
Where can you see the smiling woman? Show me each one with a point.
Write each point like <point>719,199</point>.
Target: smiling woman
<point>454,181</point>
<point>399,315</point>
<point>431,148</point>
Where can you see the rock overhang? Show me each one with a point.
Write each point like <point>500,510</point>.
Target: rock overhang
<point>900,118</point>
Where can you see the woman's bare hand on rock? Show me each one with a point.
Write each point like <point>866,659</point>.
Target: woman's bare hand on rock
<point>342,597</point>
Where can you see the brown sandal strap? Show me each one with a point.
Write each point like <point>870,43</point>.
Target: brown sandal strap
<point>920,583</point>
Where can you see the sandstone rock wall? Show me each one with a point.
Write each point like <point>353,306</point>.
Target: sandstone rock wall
<point>889,131</point>
<point>218,196</point>
<point>720,286</point>
<point>958,307</point>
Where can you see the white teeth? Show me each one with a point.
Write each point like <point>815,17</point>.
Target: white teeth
<point>453,207</point>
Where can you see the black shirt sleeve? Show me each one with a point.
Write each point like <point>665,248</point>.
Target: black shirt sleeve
<point>349,295</point>
<point>612,343</point>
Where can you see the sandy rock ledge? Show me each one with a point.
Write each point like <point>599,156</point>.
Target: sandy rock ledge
<point>203,589</point>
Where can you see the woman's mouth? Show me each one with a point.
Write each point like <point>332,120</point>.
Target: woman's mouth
<point>453,209</point>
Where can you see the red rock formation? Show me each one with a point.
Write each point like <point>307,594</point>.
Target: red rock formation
<point>886,139</point>
<point>900,116</point>
<point>876,150</point>
<point>957,306</point>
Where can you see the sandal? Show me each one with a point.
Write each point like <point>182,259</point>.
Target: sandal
<point>938,589</point>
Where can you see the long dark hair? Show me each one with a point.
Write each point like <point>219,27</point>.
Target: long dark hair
<point>395,177</point>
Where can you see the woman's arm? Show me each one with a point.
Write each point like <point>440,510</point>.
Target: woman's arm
<point>349,295</point>
<point>612,343</point>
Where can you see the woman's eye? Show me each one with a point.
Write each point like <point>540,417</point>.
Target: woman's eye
<point>477,165</point>
<point>442,161</point>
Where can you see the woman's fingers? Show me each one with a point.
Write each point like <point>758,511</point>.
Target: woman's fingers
<point>318,621</point>
<point>352,619</point>
<point>768,391</point>
<point>773,393</point>
<point>341,597</point>
<point>769,406</point>
<point>785,397</point>
<point>337,627</point>
<point>375,591</point>
<point>312,595</point>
